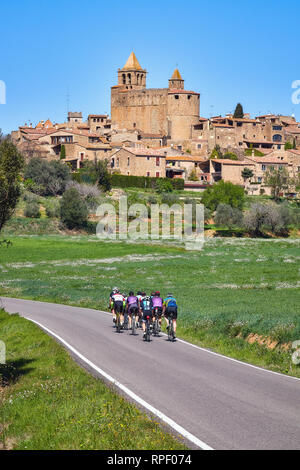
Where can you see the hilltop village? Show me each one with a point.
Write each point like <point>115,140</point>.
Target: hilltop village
<point>158,132</point>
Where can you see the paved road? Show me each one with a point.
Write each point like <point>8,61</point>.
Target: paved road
<point>224,403</point>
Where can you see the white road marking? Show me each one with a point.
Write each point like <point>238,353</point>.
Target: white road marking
<point>156,412</point>
<point>225,357</point>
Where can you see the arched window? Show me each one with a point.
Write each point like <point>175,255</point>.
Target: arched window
<point>124,78</point>
<point>138,79</point>
<point>142,76</point>
<point>277,138</point>
<point>129,78</point>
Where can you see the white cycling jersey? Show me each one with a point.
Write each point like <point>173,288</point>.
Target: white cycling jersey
<point>118,298</point>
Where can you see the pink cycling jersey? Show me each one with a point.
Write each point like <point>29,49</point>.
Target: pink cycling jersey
<point>157,302</point>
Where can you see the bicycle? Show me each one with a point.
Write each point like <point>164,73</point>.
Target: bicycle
<point>171,333</point>
<point>156,325</point>
<point>118,311</point>
<point>133,313</point>
<point>148,328</point>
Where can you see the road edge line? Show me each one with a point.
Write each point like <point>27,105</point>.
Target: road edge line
<point>186,434</point>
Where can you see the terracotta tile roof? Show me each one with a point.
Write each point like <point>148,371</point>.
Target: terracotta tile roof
<point>227,161</point>
<point>146,152</point>
<point>185,158</point>
<point>178,91</point>
<point>222,125</point>
<point>269,160</point>
<point>295,151</point>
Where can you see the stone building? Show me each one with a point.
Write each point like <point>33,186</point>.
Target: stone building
<point>139,162</point>
<point>168,111</point>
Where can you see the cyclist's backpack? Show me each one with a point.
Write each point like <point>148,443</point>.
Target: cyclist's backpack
<point>171,302</point>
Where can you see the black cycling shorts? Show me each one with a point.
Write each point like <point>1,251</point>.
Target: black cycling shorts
<point>171,311</point>
<point>133,308</point>
<point>159,311</point>
<point>118,306</point>
<point>145,314</point>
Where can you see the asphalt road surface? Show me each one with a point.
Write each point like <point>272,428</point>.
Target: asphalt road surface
<point>220,403</point>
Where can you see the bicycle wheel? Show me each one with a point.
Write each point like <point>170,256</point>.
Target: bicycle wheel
<point>133,323</point>
<point>118,323</point>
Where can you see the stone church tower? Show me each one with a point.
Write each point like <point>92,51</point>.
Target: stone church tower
<point>168,111</point>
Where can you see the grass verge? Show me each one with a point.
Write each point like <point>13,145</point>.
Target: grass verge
<point>48,402</point>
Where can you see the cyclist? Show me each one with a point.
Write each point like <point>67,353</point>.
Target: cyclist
<point>170,306</point>
<point>146,311</point>
<point>139,295</point>
<point>157,304</point>
<point>118,305</point>
<point>111,303</point>
<point>132,308</point>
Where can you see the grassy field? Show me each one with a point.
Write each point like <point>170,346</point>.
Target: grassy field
<point>49,402</point>
<point>233,287</point>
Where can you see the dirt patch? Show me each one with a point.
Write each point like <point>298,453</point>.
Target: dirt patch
<point>266,341</point>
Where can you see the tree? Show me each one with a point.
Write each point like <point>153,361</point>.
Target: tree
<point>50,178</point>
<point>272,217</point>
<point>216,153</point>
<point>73,210</point>
<point>62,152</point>
<point>247,173</point>
<point>103,175</point>
<point>277,180</point>
<point>239,112</point>
<point>11,163</point>
<point>288,146</point>
<point>223,193</point>
<point>228,216</point>
<point>193,175</point>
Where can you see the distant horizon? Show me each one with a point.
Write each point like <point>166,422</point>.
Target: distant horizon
<point>53,64</point>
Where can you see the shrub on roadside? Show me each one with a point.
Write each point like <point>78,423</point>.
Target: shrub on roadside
<point>73,209</point>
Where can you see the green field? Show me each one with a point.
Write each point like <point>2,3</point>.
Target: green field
<point>48,402</point>
<point>232,287</point>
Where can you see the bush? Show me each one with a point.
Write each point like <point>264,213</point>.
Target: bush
<point>223,193</point>
<point>49,178</point>
<point>32,210</point>
<point>169,198</point>
<point>163,186</point>
<point>268,217</point>
<point>52,209</point>
<point>228,216</point>
<point>131,181</point>
<point>73,210</point>
<point>30,197</point>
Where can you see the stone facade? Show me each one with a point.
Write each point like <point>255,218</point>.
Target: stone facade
<point>168,111</point>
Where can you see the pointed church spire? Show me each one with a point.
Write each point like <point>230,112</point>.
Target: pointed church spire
<point>132,63</point>
<point>176,75</point>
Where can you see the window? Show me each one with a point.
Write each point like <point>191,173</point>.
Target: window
<point>128,161</point>
<point>112,163</point>
<point>157,161</point>
<point>277,138</point>
<point>277,128</point>
<point>199,146</point>
<point>118,161</point>
<point>148,158</point>
<point>259,179</point>
<point>189,97</point>
<point>134,124</point>
<point>148,173</point>
<point>157,174</point>
<point>263,167</point>
<point>176,97</point>
<point>124,78</point>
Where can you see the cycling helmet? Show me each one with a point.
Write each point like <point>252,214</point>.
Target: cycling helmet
<point>157,293</point>
<point>138,292</point>
<point>143,294</point>
<point>115,289</point>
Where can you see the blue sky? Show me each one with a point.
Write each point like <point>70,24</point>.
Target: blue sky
<point>231,51</point>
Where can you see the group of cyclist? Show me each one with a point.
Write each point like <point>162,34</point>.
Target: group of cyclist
<point>141,306</point>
